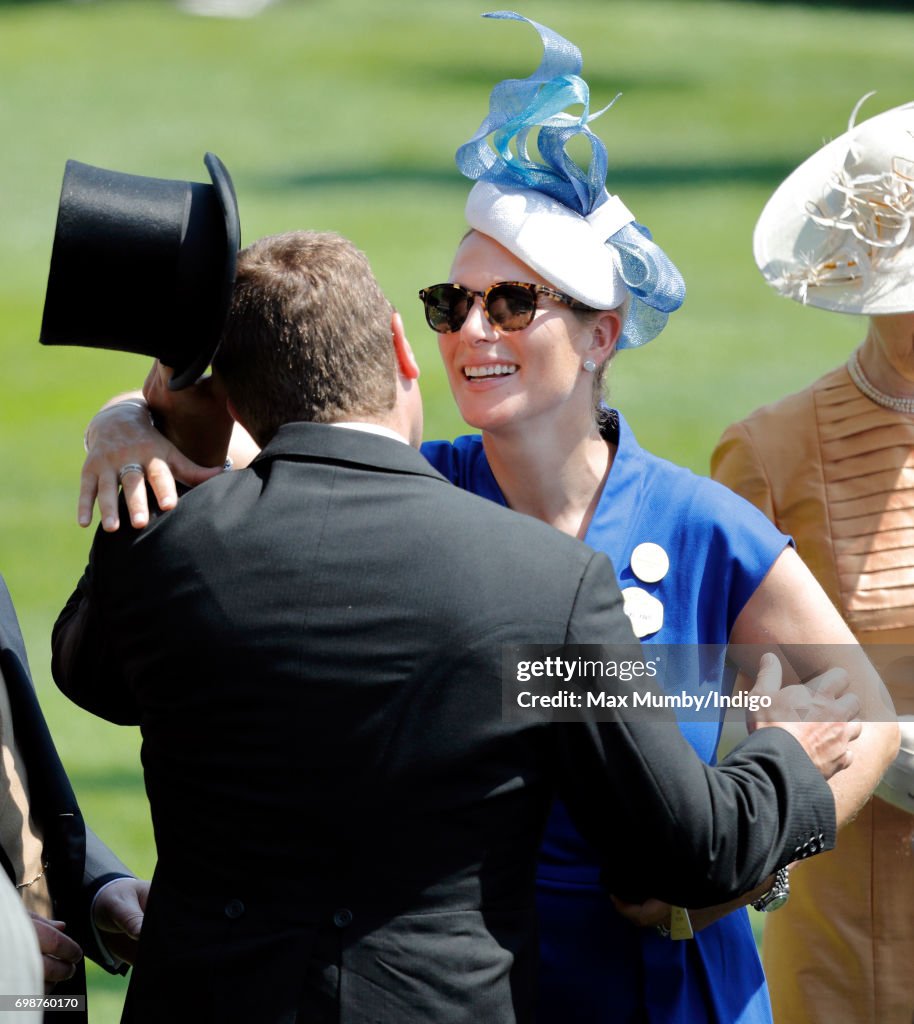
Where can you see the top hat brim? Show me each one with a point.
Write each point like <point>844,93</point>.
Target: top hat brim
<point>184,376</point>
<point>143,265</point>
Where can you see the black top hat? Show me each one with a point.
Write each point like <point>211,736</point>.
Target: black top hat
<point>143,265</point>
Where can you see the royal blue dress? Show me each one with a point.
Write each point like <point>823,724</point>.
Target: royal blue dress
<point>597,968</point>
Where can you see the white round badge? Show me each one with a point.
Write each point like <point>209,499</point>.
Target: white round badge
<point>650,563</point>
<point>644,611</point>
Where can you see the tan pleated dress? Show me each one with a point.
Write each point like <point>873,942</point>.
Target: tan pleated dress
<point>836,471</point>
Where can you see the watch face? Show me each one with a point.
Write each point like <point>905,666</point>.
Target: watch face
<point>776,902</point>
<point>777,895</point>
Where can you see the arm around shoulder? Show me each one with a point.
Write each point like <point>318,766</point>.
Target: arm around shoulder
<point>790,610</point>
<point>665,823</point>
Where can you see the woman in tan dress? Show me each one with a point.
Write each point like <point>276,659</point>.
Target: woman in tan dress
<point>834,467</point>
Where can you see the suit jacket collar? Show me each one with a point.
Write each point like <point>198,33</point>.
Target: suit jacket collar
<point>328,443</point>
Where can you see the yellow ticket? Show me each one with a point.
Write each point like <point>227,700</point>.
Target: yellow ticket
<point>680,925</point>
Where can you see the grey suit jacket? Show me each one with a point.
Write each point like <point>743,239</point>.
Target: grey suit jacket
<point>79,864</point>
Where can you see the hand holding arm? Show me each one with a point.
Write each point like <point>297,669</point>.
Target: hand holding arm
<point>818,716</point>
<point>791,613</point>
<point>762,807</point>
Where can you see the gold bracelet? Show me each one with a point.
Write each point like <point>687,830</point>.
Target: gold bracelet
<point>40,875</point>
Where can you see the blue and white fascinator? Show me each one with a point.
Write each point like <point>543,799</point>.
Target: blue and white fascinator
<point>552,214</point>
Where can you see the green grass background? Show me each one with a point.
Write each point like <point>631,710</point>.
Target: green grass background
<point>345,115</point>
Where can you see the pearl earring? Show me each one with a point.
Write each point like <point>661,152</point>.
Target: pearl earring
<point>589,365</point>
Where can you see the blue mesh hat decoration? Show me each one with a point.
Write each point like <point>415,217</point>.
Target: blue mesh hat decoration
<point>554,215</point>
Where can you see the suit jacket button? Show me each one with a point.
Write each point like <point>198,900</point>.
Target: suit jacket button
<point>342,917</point>
<point>234,909</point>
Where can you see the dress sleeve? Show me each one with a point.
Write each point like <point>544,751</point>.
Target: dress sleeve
<point>731,547</point>
<point>464,463</point>
<point>736,463</point>
<point>443,456</point>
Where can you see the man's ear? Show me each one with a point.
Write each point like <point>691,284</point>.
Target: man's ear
<point>406,362</point>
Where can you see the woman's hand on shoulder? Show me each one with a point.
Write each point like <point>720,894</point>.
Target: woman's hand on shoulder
<point>124,448</point>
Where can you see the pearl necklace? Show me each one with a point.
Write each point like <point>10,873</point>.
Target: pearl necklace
<point>905,405</point>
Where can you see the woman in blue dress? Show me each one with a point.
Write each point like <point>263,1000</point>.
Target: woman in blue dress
<point>696,564</point>
<point>553,278</point>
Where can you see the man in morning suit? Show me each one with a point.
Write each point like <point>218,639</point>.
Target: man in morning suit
<point>62,871</point>
<point>346,825</point>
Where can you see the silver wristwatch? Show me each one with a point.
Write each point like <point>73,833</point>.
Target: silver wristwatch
<point>776,896</point>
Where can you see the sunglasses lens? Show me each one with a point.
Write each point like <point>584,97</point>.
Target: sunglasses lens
<point>511,306</point>
<point>446,307</point>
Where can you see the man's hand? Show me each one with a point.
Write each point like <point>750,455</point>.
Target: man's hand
<point>648,914</point>
<point>118,914</point>
<point>653,912</point>
<point>819,714</point>
<point>59,952</point>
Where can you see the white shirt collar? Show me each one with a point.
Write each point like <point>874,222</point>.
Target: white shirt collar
<point>372,428</point>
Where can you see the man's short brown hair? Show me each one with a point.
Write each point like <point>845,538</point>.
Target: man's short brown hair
<point>308,336</point>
